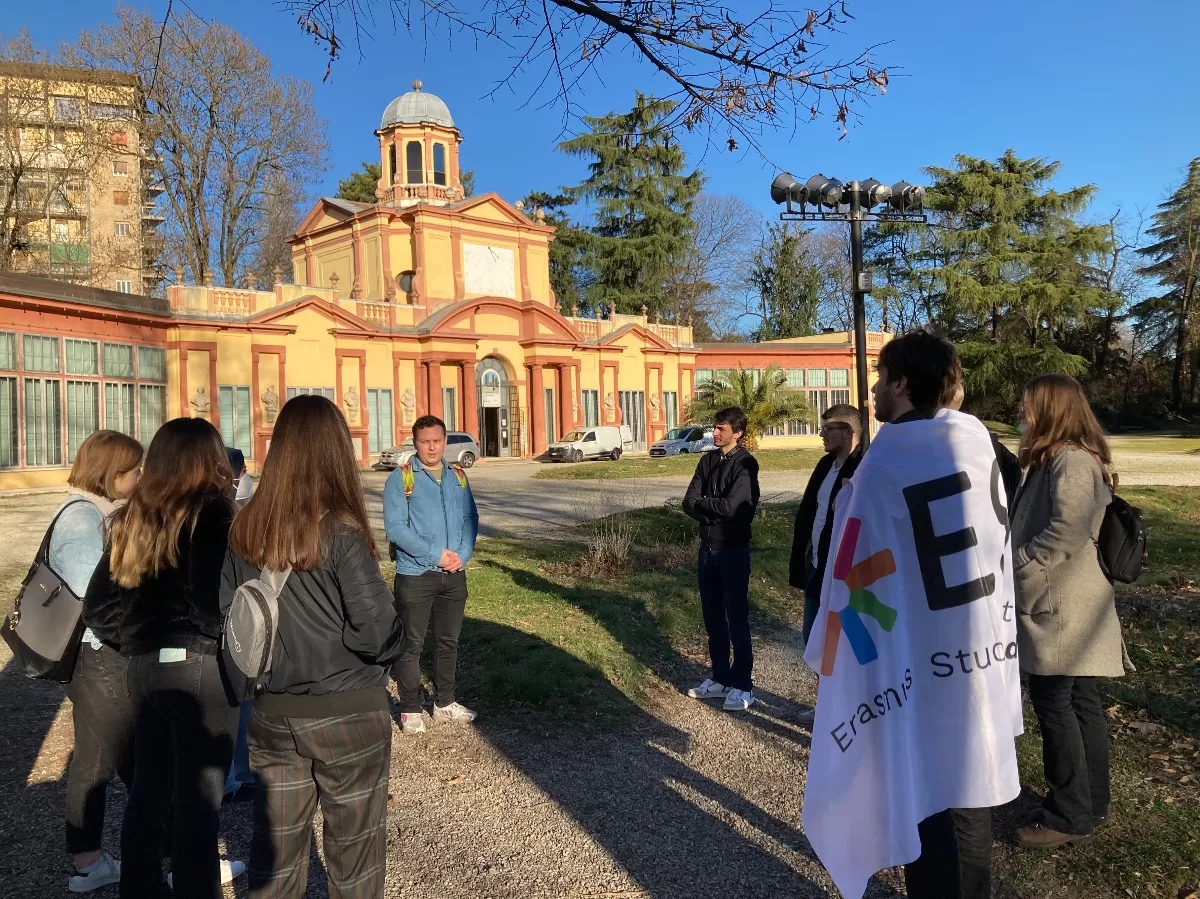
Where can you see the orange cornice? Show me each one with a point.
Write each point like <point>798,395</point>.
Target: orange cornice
<point>58,307</point>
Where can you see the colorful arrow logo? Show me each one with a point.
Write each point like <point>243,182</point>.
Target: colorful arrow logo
<point>862,601</point>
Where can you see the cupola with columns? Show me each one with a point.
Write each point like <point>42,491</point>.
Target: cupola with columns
<point>418,152</point>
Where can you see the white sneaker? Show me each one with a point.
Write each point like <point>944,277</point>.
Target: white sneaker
<point>412,723</point>
<point>710,689</point>
<point>739,700</point>
<point>107,870</point>
<point>230,871</point>
<point>456,711</point>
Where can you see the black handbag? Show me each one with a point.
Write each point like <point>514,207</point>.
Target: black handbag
<point>1121,547</point>
<point>45,627</point>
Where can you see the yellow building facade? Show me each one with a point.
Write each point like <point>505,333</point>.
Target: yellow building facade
<point>424,302</point>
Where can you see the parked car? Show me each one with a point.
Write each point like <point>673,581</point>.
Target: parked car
<point>688,439</point>
<point>461,449</point>
<point>602,442</point>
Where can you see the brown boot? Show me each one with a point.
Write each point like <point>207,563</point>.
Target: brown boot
<point>1039,836</point>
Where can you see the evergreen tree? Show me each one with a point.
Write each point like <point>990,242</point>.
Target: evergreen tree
<point>642,200</point>
<point>1176,265</point>
<point>567,275</point>
<point>468,182</point>
<point>787,282</point>
<point>360,186</point>
<point>1014,249</point>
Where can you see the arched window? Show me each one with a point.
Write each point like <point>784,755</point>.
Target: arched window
<point>439,164</point>
<point>392,164</point>
<point>412,156</point>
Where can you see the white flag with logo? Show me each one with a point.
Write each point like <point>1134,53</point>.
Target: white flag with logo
<point>919,700</point>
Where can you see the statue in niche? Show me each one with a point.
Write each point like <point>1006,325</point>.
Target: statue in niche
<point>409,402</point>
<point>609,406</point>
<point>574,407</point>
<point>351,402</point>
<point>654,403</point>
<point>200,404</point>
<point>270,401</point>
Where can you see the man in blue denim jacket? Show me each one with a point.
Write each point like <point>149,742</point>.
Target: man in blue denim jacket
<point>431,520</point>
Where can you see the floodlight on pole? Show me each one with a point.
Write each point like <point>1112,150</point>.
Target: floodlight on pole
<point>827,199</point>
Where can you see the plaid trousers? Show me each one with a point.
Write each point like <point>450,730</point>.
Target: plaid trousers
<point>342,761</point>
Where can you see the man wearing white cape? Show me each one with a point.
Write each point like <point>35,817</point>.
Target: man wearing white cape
<point>919,700</point>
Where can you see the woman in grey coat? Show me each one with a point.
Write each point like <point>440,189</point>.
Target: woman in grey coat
<point>1068,634</point>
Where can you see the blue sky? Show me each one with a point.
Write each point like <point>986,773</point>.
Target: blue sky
<point>1108,88</point>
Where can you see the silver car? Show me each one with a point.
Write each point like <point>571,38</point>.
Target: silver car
<point>461,449</point>
<point>679,441</point>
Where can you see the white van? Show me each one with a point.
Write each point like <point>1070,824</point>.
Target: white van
<point>603,442</point>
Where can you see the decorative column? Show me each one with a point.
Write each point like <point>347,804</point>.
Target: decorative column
<point>470,422</point>
<point>537,427</point>
<point>565,417</point>
<point>435,388</point>
<point>421,370</point>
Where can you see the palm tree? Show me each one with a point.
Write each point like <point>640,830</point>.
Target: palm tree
<point>767,403</point>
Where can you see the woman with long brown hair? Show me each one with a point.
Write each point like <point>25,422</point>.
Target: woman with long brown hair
<point>1068,634</point>
<point>106,469</point>
<point>322,728</point>
<point>155,595</point>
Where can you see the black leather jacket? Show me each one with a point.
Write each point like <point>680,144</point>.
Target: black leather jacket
<point>722,496</point>
<point>338,632</point>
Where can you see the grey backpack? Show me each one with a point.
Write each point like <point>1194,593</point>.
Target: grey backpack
<point>248,636</point>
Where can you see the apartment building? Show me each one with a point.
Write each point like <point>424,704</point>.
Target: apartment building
<point>77,194</point>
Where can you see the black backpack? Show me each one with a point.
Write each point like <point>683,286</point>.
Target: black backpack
<point>1121,546</point>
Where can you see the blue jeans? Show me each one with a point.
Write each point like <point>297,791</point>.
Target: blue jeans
<point>812,603</point>
<point>724,576</point>
<point>239,771</point>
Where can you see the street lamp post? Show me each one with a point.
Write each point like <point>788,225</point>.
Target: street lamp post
<point>833,201</point>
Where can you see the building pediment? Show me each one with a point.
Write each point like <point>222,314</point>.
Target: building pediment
<point>644,336</point>
<point>328,211</point>
<point>280,315</point>
<point>537,321</point>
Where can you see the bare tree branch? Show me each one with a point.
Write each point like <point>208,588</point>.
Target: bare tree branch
<point>739,67</point>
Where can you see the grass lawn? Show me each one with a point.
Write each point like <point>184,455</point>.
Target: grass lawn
<point>768,460</point>
<point>640,632</point>
<point>1154,443</point>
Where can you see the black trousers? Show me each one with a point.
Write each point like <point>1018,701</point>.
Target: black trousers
<point>343,762</point>
<point>442,595</point>
<point>184,737</point>
<point>1074,751</point>
<point>103,717</point>
<point>956,856</point>
<point>724,576</point>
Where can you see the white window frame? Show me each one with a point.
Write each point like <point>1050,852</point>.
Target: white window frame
<point>123,286</point>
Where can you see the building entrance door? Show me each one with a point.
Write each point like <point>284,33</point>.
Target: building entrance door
<point>633,413</point>
<point>489,440</point>
<point>495,438</point>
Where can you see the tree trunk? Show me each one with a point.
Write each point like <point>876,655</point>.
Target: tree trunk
<point>1181,345</point>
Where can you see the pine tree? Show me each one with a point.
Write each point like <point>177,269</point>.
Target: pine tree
<point>1176,265</point>
<point>567,276</point>
<point>1013,245</point>
<point>788,284</point>
<point>360,186</point>
<point>642,201</point>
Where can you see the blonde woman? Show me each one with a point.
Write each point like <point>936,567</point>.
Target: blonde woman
<point>106,469</point>
<point>1068,634</point>
<point>155,595</point>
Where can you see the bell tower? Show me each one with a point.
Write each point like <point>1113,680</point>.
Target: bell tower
<point>418,152</point>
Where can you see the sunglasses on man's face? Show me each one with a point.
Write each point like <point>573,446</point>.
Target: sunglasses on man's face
<point>833,429</point>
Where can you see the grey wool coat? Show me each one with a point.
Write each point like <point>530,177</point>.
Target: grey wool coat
<point>1066,616</point>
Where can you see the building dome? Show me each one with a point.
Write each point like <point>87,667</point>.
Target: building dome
<point>416,108</point>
